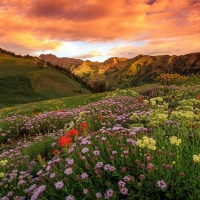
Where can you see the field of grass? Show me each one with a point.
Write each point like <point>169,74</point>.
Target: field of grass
<point>21,81</point>
<point>139,143</point>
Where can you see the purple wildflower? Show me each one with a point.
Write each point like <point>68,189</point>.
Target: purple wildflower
<point>121,184</point>
<point>85,191</point>
<point>69,171</point>
<point>161,184</point>
<point>52,175</point>
<point>85,150</point>
<point>98,195</point>
<point>124,191</point>
<point>21,182</point>
<point>69,197</point>
<point>108,194</point>
<point>127,178</point>
<point>96,153</point>
<point>99,165</point>
<point>84,176</point>
<point>59,185</point>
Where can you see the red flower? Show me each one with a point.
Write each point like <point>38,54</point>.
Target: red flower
<point>84,126</point>
<point>64,141</point>
<point>72,133</point>
<point>100,118</point>
<point>54,152</point>
<point>198,96</point>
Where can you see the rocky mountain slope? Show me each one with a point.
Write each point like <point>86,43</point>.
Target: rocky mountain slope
<point>122,72</point>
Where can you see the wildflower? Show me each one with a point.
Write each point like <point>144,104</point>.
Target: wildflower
<point>142,176</point>
<point>68,171</point>
<point>9,194</point>
<point>3,162</point>
<point>37,192</point>
<point>2,175</point>
<point>5,198</point>
<point>69,197</point>
<point>161,184</point>
<point>181,174</point>
<point>123,170</point>
<point>108,194</point>
<point>84,127</point>
<point>96,152</point>
<point>85,150</point>
<point>98,195</point>
<point>64,141</point>
<point>149,167</point>
<point>121,184</point>
<point>84,176</point>
<point>139,184</point>
<point>196,158</point>
<point>100,118</point>
<point>99,165</point>
<point>127,178</point>
<point>52,175</point>
<point>70,161</point>
<point>40,172</point>
<point>114,153</point>
<point>72,133</point>
<point>124,191</point>
<point>53,144</point>
<point>147,142</point>
<point>55,151</point>
<point>175,140</point>
<point>85,191</point>
<point>21,182</point>
<point>59,185</point>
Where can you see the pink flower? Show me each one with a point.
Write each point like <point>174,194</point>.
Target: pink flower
<point>161,184</point>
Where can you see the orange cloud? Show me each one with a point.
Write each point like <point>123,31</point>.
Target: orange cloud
<point>174,46</point>
<point>25,25</point>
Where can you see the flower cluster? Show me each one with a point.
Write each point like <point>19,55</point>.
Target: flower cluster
<point>147,142</point>
<point>174,140</point>
<point>168,79</point>
<point>196,158</point>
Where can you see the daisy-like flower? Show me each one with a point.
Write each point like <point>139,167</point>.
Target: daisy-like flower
<point>99,165</point>
<point>59,185</point>
<point>98,195</point>
<point>84,176</point>
<point>96,152</point>
<point>85,191</point>
<point>121,184</point>
<point>124,191</point>
<point>64,141</point>
<point>85,150</point>
<point>52,175</point>
<point>69,197</point>
<point>161,184</point>
<point>68,171</point>
<point>70,161</point>
<point>108,194</point>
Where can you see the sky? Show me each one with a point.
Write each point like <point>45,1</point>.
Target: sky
<point>98,29</point>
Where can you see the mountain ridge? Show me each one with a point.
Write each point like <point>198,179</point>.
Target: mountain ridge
<point>121,73</point>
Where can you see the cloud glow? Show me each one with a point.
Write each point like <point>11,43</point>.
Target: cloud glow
<point>97,29</point>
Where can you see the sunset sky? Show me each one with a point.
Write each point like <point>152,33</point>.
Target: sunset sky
<point>99,29</point>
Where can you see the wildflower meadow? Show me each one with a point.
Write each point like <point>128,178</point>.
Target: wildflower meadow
<point>139,143</point>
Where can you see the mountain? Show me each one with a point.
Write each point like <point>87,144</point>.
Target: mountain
<point>123,72</point>
<point>27,79</point>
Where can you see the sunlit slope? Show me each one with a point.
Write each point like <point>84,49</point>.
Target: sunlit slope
<point>22,81</point>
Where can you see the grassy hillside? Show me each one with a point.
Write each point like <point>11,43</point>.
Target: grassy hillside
<point>22,81</point>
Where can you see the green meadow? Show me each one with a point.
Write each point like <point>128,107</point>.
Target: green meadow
<point>138,143</point>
